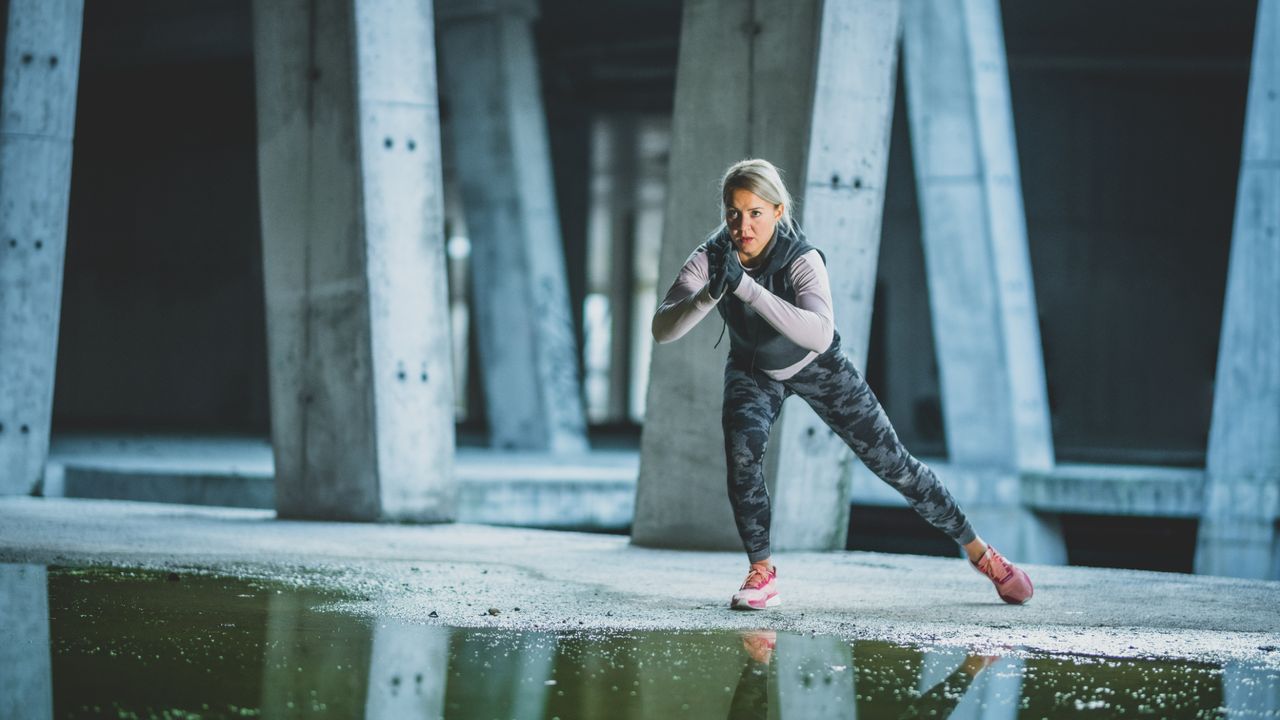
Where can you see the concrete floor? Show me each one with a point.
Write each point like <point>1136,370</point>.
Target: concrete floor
<point>561,580</point>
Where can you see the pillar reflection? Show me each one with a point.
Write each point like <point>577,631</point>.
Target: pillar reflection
<point>408,672</point>
<point>26,673</point>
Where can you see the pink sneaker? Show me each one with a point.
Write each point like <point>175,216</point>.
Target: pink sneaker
<point>1012,584</point>
<point>758,591</point>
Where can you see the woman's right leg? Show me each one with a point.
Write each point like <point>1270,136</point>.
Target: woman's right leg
<point>752,401</point>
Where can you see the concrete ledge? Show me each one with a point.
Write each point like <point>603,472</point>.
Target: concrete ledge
<point>153,485</point>
<point>589,491</point>
<point>1128,490</point>
<point>1116,490</point>
<point>586,491</point>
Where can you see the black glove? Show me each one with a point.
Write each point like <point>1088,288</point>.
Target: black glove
<point>723,268</point>
<point>715,269</point>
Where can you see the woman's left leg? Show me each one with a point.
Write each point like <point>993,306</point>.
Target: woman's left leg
<point>839,394</point>
<point>835,389</point>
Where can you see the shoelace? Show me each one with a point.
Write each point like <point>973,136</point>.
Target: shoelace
<point>760,577</point>
<point>997,557</point>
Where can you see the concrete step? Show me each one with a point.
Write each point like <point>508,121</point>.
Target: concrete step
<point>590,491</point>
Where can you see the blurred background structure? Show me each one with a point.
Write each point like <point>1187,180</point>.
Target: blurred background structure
<point>266,254</point>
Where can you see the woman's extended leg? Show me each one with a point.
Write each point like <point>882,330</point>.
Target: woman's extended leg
<point>835,389</point>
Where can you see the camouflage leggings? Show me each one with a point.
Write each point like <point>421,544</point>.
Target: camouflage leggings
<point>835,389</point>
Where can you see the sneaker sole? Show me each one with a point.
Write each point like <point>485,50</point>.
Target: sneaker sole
<point>743,605</point>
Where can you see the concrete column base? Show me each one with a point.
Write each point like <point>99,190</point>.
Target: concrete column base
<point>1239,547</point>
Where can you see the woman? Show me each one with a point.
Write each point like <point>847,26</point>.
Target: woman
<point>771,288</point>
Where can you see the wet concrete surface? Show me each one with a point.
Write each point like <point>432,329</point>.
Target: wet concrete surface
<point>503,579</point>
<point>167,644</point>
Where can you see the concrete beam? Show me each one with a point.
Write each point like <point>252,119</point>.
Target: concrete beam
<point>354,262</point>
<point>37,122</point>
<point>520,301</point>
<point>982,298</point>
<point>779,81</point>
<point>1242,496</point>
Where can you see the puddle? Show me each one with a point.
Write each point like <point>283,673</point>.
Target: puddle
<point>119,643</point>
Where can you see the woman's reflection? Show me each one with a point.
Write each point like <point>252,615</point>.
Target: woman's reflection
<point>751,698</point>
<point>941,699</point>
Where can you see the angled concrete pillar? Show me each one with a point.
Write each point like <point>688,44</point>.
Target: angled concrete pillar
<point>809,86</point>
<point>981,292</point>
<point>353,258</point>
<point>1237,534</point>
<point>520,300</point>
<point>26,683</point>
<point>37,121</point>
<point>842,206</point>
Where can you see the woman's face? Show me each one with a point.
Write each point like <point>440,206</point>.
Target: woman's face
<point>751,221</point>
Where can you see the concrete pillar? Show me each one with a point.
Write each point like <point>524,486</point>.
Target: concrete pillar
<point>37,120</point>
<point>354,262</point>
<point>611,236</point>
<point>26,683</point>
<point>520,301</point>
<point>1242,494</point>
<point>624,167</point>
<point>809,86</point>
<point>982,297</point>
<point>408,672</point>
<point>842,209</point>
<point>654,142</point>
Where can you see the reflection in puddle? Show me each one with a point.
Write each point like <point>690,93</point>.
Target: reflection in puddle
<point>94,643</point>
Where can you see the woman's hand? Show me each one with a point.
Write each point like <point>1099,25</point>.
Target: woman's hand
<point>724,270</point>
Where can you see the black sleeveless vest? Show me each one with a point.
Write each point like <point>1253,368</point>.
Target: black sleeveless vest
<point>753,342</point>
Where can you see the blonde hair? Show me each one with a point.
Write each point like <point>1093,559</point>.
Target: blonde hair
<point>761,178</point>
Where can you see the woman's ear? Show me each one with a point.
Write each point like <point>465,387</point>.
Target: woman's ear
<point>777,211</point>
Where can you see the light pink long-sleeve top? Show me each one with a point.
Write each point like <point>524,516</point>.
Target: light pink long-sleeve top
<point>808,323</point>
